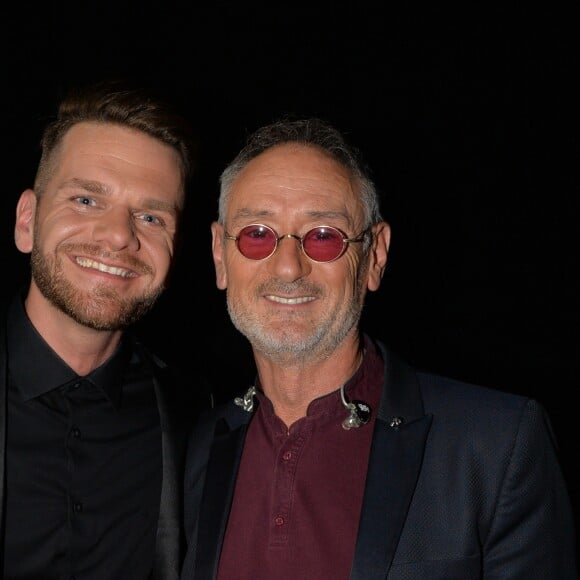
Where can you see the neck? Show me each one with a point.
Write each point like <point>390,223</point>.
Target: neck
<point>83,349</point>
<point>292,388</point>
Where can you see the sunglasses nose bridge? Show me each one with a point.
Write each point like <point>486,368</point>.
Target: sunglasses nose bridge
<point>284,236</point>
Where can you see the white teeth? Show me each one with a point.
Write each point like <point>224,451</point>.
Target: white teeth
<point>290,300</point>
<point>87,263</point>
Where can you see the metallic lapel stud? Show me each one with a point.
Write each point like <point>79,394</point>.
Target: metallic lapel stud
<point>396,422</point>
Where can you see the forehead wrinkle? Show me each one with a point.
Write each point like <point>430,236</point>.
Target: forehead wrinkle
<point>297,165</point>
<point>327,184</point>
<point>297,182</point>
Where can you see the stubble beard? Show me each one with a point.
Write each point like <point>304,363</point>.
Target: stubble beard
<point>286,345</point>
<point>100,309</point>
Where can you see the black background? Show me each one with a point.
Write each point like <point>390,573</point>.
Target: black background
<point>466,114</point>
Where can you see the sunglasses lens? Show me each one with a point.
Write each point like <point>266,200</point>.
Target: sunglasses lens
<point>256,242</point>
<point>324,244</point>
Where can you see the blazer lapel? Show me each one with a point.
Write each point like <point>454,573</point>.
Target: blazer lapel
<point>395,460</point>
<point>168,543</point>
<point>221,473</point>
<point>3,410</point>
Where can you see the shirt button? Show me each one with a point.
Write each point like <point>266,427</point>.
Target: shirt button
<point>77,507</point>
<point>76,432</point>
<point>287,455</point>
<point>279,521</point>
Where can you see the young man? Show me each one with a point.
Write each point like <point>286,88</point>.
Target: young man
<point>89,432</point>
<point>342,461</point>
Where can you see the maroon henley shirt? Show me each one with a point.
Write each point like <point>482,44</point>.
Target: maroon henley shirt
<point>299,491</point>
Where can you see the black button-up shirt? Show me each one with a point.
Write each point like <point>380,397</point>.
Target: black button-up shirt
<point>84,463</point>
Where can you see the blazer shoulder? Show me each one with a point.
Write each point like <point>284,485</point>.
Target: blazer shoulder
<point>439,391</point>
<point>481,413</point>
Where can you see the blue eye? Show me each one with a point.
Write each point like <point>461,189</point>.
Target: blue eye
<point>150,218</point>
<point>84,200</point>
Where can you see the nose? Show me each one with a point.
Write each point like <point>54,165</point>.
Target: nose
<point>288,262</point>
<point>116,231</point>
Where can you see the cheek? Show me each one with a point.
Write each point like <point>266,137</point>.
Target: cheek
<point>158,253</point>
<point>52,229</point>
<point>349,272</point>
<point>241,277</point>
<point>48,236</point>
<point>163,260</point>
<point>351,279</point>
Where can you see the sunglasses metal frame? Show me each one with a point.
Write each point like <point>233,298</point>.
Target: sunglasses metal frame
<point>345,241</point>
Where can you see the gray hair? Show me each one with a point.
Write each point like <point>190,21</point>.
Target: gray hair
<point>312,132</point>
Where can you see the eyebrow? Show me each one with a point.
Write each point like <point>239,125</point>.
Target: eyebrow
<point>92,186</point>
<point>329,214</point>
<point>89,185</point>
<point>245,212</point>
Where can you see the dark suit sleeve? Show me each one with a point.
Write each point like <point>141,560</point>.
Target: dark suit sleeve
<point>532,535</point>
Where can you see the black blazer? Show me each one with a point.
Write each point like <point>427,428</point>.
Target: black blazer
<point>468,486</point>
<point>174,427</point>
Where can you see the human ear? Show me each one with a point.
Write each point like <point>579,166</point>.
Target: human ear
<point>217,248</point>
<point>379,254</point>
<point>24,225</point>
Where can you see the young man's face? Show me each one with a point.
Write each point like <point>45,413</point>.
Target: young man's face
<point>102,233</point>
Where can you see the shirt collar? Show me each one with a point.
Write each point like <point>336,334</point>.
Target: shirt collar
<point>36,369</point>
<point>364,385</point>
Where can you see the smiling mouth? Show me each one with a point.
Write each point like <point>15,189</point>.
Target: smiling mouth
<point>282,300</point>
<point>114,270</point>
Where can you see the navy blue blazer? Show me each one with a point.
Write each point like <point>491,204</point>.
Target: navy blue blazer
<point>174,427</point>
<point>468,486</point>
